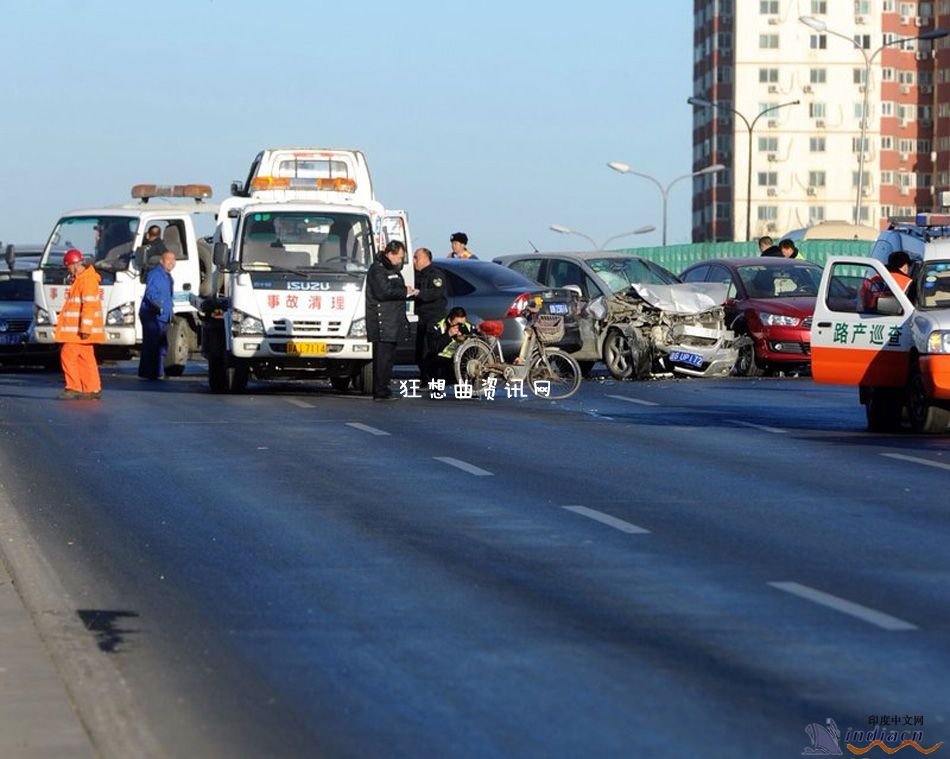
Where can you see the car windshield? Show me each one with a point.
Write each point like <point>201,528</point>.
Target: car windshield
<point>16,286</point>
<point>295,241</point>
<point>105,238</point>
<point>619,272</point>
<point>935,285</point>
<point>789,281</point>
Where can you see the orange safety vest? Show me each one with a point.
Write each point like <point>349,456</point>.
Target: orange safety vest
<point>82,311</point>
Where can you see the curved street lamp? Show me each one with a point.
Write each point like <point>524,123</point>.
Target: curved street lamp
<point>820,26</point>
<point>624,168</point>
<point>560,228</point>
<point>706,103</point>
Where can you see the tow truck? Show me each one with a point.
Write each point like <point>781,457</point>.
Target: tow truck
<point>896,349</point>
<point>111,238</point>
<point>291,252</point>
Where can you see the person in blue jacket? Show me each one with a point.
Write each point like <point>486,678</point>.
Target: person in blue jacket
<point>156,311</point>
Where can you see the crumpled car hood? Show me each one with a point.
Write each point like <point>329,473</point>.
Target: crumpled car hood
<point>685,298</point>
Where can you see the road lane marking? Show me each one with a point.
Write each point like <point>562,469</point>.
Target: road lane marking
<point>301,404</point>
<point>915,460</point>
<point>628,399</point>
<point>878,618</point>
<point>606,519</point>
<point>774,430</point>
<point>464,466</point>
<point>366,428</point>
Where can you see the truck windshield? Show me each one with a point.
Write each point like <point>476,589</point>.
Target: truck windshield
<point>104,238</point>
<point>935,285</point>
<point>297,241</point>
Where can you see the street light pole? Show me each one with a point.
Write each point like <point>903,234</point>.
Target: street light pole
<point>560,228</point>
<point>820,26</point>
<point>624,168</point>
<point>706,103</point>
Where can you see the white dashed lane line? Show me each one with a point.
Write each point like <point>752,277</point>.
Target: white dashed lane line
<point>762,427</point>
<point>599,516</point>
<point>299,403</point>
<point>628,399</point>
<point>915,460</point>
<point>877,618</point>
<point>366,428</point>
<point>464,466</point>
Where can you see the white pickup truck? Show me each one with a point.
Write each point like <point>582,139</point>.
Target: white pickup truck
<point>291,252</point>
<point>111,238</point>
<point>894,347</point>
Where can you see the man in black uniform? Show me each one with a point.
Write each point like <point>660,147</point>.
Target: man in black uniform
<point>386,323</point>
<point>431,305</point>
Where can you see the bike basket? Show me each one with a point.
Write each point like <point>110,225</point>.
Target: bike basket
<point>550,328</point>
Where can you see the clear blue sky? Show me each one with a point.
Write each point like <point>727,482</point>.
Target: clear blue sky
<point>493,118</point>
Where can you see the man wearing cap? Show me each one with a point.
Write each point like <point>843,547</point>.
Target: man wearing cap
<point>459,241</point>
<point>79,327</point>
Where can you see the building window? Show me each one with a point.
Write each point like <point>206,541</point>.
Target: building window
<point>887,177</point>
<point>887,142</point>
<point>768,178</point>
<point>768,41</point>
<point>818,41</point>
<point>768,7</point>
<point>887,108</point>
<point>859,110</point>
<point>923,146</point>
<point>817,76</point>
<point>816,178</point>
<point>887,74</point>
<point>862,41</point>
<point>908,9</point>
<point>905,77</point>
<point>768,144</point>
<point>866,180</point>
<point>816,144</point>
<point>816,110</point>
<point>816,214</point>
<point>856,145</point>
<point>885,212</point>
<point>768,76</point>
<point>857,76</point>
<point>905,145</point>
<point>767,213</point>
<point>863,7</point>
<point>819,7</point>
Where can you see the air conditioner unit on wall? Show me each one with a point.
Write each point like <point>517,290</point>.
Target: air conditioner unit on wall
<point>865,191</point>
<point>810,190</point>
<point>806,88</point>
<point>859,20</point>
<point>923,55</point>
<point>773,20</point>
<point>904,156</point>
<point>820,123</point>
<point>926,89</point>
<point>905,20</point>
<point>905,89</point>
<point>903,190</point>
<point>773,88</point>
<point>920,21</point>
<point>772,192</point>
<point>772,123</point>
<point>772,157</point>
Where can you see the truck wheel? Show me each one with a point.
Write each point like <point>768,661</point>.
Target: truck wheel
<point>178,347</point>
<point>340,384</point>
<point>925,416</point>
<point>883,408</point>
<point>364,380</point>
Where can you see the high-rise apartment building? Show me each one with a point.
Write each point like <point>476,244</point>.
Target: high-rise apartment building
<point>807,159</point>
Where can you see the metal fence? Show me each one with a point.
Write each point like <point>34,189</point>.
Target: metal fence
<point>678,257</point>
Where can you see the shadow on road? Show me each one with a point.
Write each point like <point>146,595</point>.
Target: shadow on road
<point>107,626</point>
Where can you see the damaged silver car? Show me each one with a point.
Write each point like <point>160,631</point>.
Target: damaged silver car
<point>636,316</point>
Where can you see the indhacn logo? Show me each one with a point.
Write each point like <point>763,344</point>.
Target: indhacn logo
<point>825,740</point>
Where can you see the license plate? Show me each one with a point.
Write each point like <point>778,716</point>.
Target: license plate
<point>11,339</point>
<point>682,357</point>
<point>557,308</point>
<point>306,348</point>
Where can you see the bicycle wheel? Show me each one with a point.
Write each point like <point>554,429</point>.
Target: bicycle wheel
<point>472,361</point>
<point>557,372</point>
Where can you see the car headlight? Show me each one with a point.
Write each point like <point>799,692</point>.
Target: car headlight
<point>939,342</point>
<point>41,317</point>
<point>778,320</point>
<point>244,325</point>
<point>358,328</point>
<point>122,316</point>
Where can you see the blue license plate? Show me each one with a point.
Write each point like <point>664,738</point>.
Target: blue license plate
<point>682,357</point>
<point>557,308</point>
<point>11,339</point>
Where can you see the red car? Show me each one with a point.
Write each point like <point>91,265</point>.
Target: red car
<point>771,300</point>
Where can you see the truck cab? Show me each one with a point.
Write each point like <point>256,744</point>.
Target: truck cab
<point>292,249</point>
<point>111,239</point>
<point>890,340</point>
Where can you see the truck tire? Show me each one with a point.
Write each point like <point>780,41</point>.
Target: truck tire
<point>364,380</point>
<point>925,416</point>
<point>340,384</point>
<point>179,347</point>
<point>883,407</point>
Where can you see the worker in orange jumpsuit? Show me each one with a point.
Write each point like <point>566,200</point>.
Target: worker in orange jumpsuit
<point>79,327</point>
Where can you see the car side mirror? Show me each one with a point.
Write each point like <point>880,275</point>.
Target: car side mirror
<point>889,306</point>
<point>576,289</point>
<point>237,188</point>
<point>220,255</point>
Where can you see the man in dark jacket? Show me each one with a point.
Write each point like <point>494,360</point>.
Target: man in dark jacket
<point>768,247</point>
<point>431,305</point>
<point>386,323</point>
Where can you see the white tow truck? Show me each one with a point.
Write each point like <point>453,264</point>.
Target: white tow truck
<point>111,239</point>
<point>292,249</point>
<point>892,343</point>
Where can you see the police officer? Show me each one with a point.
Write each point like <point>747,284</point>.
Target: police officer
<point>431,305</point>
<point>386,323</point>
<point>444,338</point>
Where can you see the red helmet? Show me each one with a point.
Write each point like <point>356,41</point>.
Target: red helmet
<point>72,256</point>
